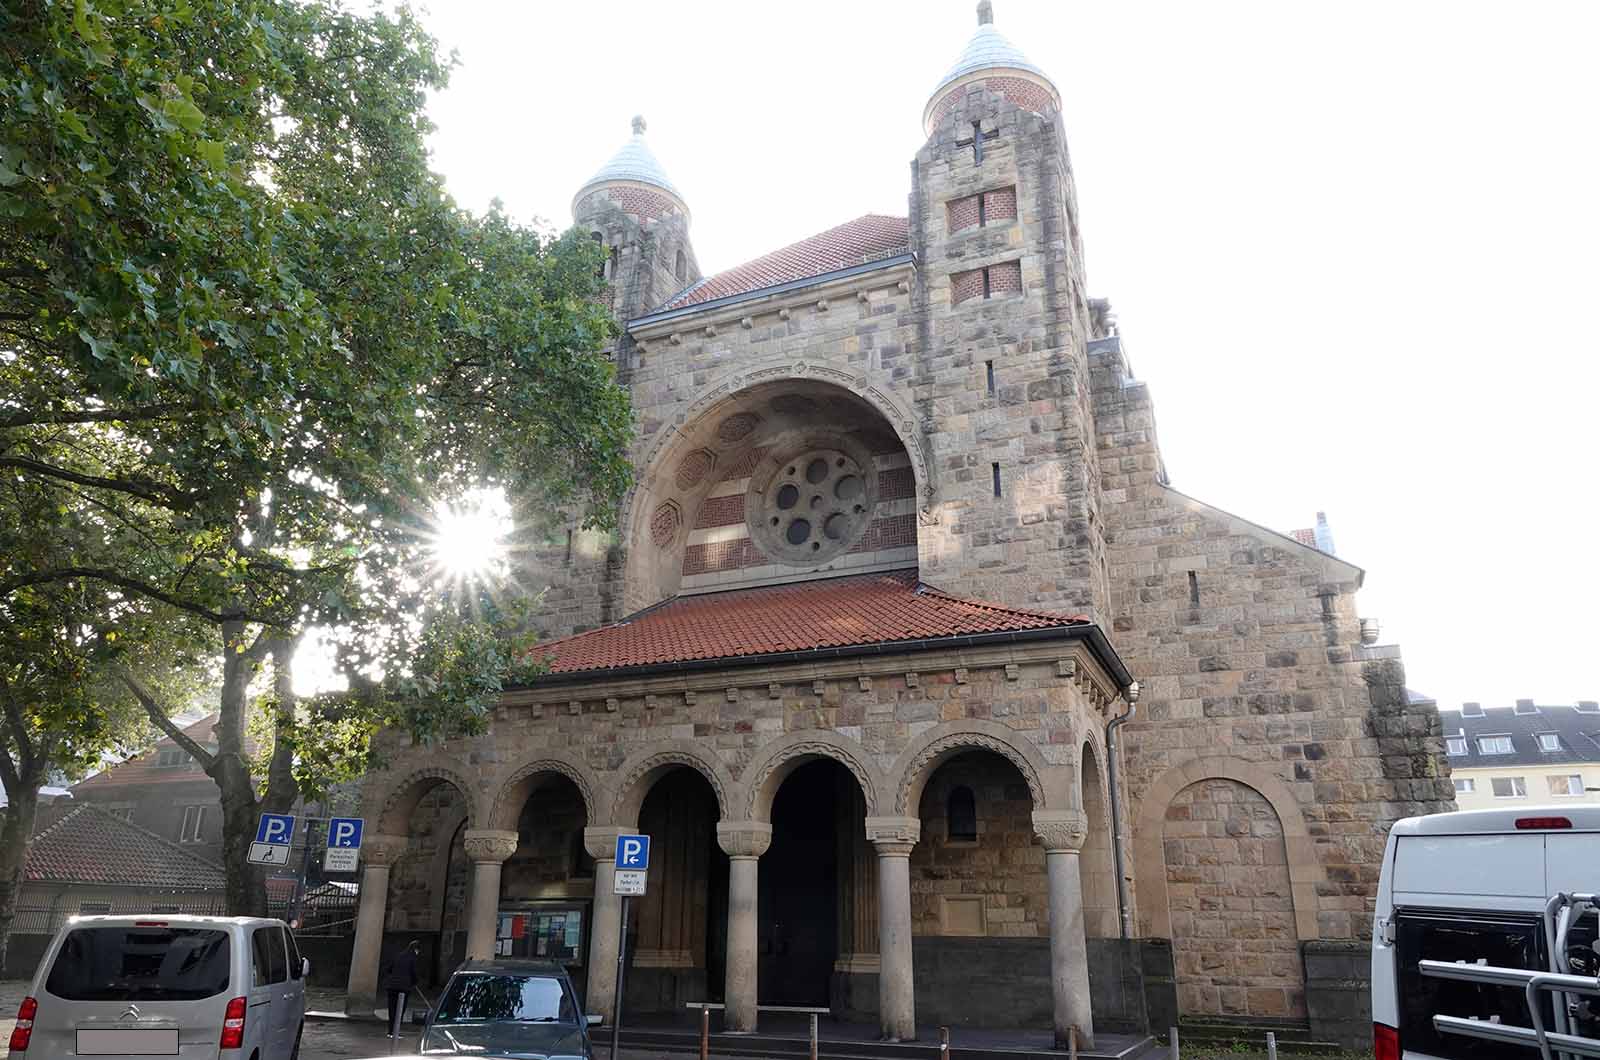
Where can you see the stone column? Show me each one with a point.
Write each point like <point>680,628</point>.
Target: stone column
<point>744,842</point>
<point>488,848</point>
<point>378,852</point>
<point>605,929</point>
<point>1063,833</point>
<point>894,837</point>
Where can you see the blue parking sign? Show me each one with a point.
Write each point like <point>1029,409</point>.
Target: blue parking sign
<point>633,852</point>
<point>344,833</point>
<point>276,829</point>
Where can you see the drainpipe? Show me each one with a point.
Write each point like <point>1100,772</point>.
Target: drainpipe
<point>1112,757</point>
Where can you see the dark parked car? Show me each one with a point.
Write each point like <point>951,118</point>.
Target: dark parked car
<point>509,1008</point>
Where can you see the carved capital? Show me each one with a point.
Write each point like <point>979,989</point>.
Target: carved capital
<point>744,839</point>
<point>490,844</point>
<point>382,850</point>
<point>601,843</point>
<point>1061,830</point>
<point>893,836</point>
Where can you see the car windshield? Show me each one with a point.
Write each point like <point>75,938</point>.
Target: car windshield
<point>503,996</point>
<point>140,964</point>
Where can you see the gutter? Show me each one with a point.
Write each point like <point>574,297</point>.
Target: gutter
<point>1124,914</point>
<point>765,292</point>
<point>1098,644</point>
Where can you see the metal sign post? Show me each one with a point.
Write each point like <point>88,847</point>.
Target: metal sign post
<point>630,872</point>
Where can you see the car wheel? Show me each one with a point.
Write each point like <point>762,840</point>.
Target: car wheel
<point>294,1054</point>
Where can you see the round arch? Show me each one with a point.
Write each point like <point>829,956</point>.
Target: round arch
<point>512,791</point>
<point>925,754</point>
<point>1149,861</point>
<point>391,808</point>
<point>1097,865</point>
<point>645,767</point>
<point>765,774</point>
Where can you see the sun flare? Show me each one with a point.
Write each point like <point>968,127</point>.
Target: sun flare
<point>469,540</point>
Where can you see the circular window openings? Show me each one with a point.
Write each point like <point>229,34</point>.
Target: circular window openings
<point>813,506</point>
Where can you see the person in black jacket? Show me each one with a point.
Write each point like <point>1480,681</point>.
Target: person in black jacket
<point>400,979</point>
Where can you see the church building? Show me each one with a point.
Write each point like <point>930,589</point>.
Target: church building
<point>940,703</point>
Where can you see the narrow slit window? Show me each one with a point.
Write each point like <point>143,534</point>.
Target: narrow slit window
<point>961,815</point>
<point>988,370</point>
<point>1194,589</point>
<point>995,469</point>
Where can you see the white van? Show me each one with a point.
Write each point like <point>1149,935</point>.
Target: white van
<point>196,987</point>
<point>1472,887</point>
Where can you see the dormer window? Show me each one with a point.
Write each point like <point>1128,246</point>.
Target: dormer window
<point>1525,706</point>
<point>1495,745</point>
<point>1472,710</point>
<point>1549,742</point>
<point>172,758</point>
<point>1455,745</point>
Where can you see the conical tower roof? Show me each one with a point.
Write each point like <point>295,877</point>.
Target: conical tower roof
<point>990,56</point>
<point>635,165</point>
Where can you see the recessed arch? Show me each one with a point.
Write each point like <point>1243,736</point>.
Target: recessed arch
<point>1305,871</point>
<point>646,766</point>
<point>513,791</point>
<point>925,754</point>
<point>763,776</point>
<point>391,807</point>
<point>1097,866</point>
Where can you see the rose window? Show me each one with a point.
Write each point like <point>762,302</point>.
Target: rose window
<point>811,507</point>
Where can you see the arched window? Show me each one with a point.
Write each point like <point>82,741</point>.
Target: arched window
<point>961,815</point>
<point>683,266</point>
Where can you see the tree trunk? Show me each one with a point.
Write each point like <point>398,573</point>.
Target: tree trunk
<point>16,832</point>
<point>245,890</point>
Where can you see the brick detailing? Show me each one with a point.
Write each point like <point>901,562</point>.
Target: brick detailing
<point>962,214</point>
<point>1025,94</point>
<point>1233,931</point>
<point>664,524</point>
<point>894,531</point>
<point>1005,279</point>
<point>741,465</point>
<point>721,511</point>
<point>896,484</point>
<point>999,205</point>
<point>720,556</point>
<point>737,427</point>
<point>966,285</point>
<point>640,202</point>
<point>693,468</point>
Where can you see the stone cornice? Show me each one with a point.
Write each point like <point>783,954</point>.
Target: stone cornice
<point>489,844</point>
<point>1061,831</point>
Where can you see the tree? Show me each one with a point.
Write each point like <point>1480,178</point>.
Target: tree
<point>241,317</point>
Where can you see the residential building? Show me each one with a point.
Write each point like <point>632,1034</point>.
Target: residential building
<point>1529,754</point>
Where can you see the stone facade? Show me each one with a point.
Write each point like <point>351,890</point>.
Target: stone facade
<point>994,439</point>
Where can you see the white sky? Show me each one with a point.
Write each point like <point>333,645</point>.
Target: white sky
<point>1351,245</point>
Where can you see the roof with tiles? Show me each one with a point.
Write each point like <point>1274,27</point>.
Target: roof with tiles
<point>867,238</point>
<point>633,161</point>
<point>147,768</point>
<point>861,609</point>
<point>1576,728</point>
<point>89,845</point>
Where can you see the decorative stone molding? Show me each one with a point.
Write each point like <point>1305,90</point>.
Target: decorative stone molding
<point>1061,830</point>
<point>784,314</point>
<point>612,704</point>
<point>1066,667</point>
<point>961,675</point>
<point>744,839</point>
<point>913,679</point>
<point>383,850</point>
<point>684,754</point>
<point>747,322</point>
<point>828,749</point>
<point>959,741</point>
<point>893,836</point>
<point>864,683</point>
<point>732,694</point>
<point>774,690</point>
<point>601,843</point>
<point>864,297</point>
<point>649,702</point>
<point>819,688</point>
<point>1013,672</point>
<point>505,814</point>
<point>822,305</point>
<point>406,788</point>
<point>688,697</point>
<point>575,707</point>
<point>489,844</point>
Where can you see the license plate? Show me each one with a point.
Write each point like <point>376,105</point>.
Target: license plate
<point>128,1041</point>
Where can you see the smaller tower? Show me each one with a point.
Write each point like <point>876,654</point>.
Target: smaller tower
<point>632,209</point>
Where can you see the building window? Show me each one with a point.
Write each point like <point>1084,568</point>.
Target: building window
<point>1472,710</point>
<point>961,815</point>
<point>1588,706</point>
<point>988,371</point>
<point>172,758</point>
<point>1572,784</point>
<point>1549,741</point>
<point>1509,787</point>
<point>1465,785</point>
<point>995,470</point>
<point>1455,745</point>
<point>1525,706</point>
<point>194,819</point>
<point>681,270</point>
<point>991,281</point>
<point>1495,745</point>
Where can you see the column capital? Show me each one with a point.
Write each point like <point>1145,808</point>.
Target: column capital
<point>382,850</point>
<point>893,836</point>
<point>490,844</point>
<point>744,839</point>
<point>601,843</point>
<point>1062,831</point>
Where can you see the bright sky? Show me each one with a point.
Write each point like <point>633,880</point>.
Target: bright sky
<point>1352,246</point>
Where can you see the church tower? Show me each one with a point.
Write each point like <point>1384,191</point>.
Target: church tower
<point>632,209</point>
<point>1005,390</point>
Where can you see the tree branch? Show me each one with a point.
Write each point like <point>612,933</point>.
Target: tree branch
<point>134,585</point>
<point>164,722</point>
<point>154,492</point>
<point>149,412</point>
<point>19,732</point>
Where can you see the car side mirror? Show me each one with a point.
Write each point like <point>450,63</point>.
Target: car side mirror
<point>305,967</point>
<point>593,1020</point>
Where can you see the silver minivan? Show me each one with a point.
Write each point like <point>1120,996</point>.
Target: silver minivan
<point>196,987</point>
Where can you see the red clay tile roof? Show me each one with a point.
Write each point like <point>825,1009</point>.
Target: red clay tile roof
<point>89,845</point>
<point>867,238</point>
<point>862,609</point>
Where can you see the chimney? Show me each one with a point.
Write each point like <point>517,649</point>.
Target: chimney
<point>1324,534</point>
